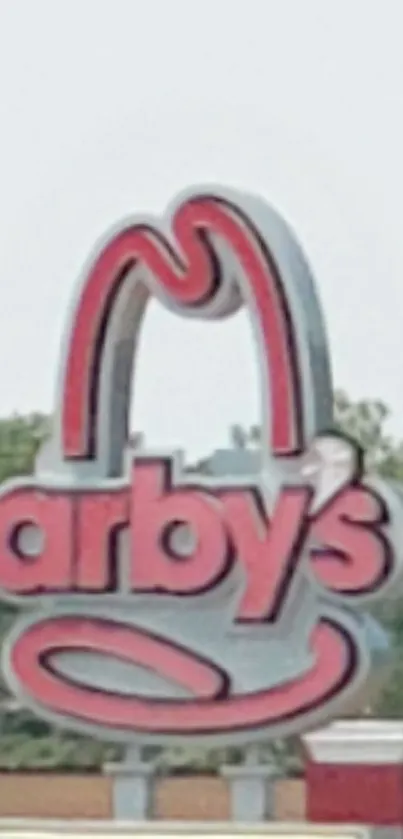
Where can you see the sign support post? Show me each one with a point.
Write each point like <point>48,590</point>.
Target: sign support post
<point>251,788</point>
<point>132,786</point>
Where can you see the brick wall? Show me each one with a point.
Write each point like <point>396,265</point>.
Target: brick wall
<point>90,797</point>
<point>290,800</point>
<point>55,796</point>
<point>203,799</point>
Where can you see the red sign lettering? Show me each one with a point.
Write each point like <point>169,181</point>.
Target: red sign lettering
<point>348,549</point>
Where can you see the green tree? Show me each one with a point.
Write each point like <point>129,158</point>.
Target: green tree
<point>20,438</point>
<point>366,421</point>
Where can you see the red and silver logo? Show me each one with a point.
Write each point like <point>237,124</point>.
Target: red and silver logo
<point>161,607</point>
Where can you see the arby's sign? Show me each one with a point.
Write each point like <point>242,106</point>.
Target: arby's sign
<point>158,605</point>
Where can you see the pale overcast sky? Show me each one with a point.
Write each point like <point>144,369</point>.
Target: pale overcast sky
<point>109,107</point>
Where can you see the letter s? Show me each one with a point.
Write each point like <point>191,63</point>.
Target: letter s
<point>351,554</point>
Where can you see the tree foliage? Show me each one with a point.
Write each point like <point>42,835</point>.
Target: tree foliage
<point>366,421</point>
<point>20,438</point>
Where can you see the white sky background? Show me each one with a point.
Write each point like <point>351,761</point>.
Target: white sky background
<point>109,107</point>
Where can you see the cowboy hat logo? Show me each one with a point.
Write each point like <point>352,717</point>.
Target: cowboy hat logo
<point>161,607</point>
